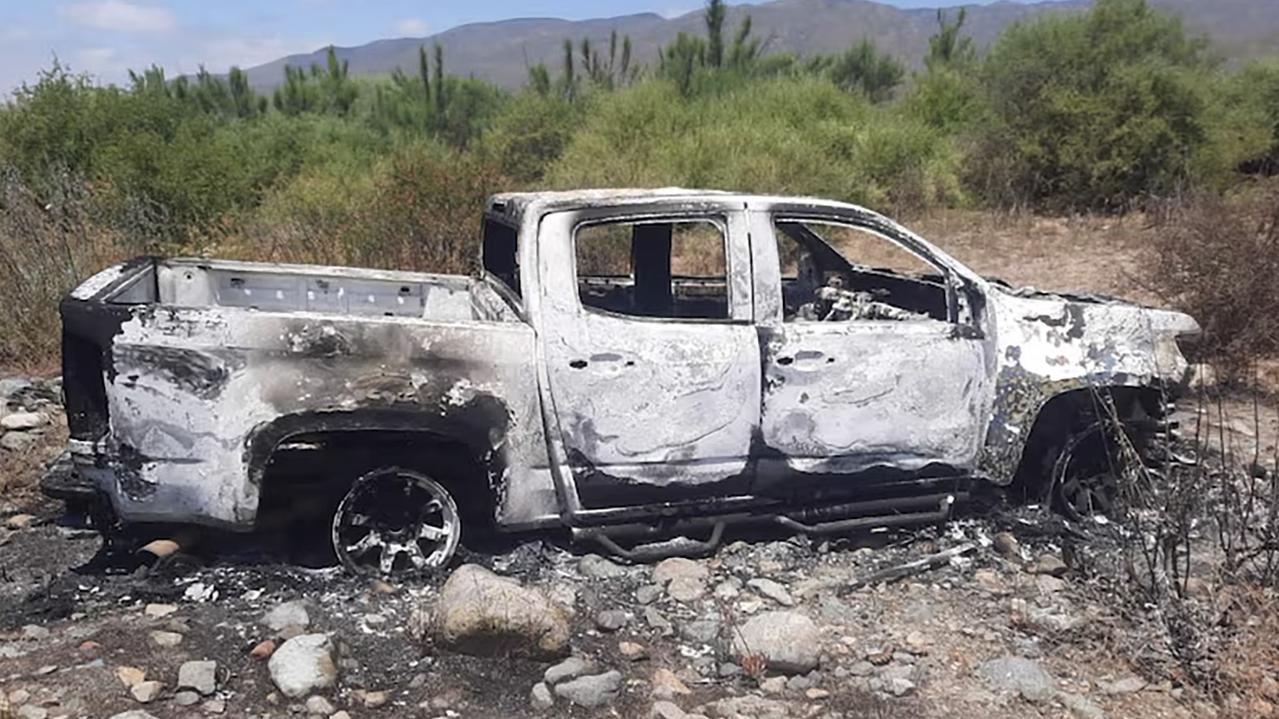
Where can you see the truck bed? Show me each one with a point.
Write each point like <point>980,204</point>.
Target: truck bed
<point>305,288</point>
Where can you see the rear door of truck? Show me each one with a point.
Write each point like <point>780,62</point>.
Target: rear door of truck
<point>652,359</point>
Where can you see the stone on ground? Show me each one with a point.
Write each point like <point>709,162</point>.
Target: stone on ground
<point>1020,675</point>
<point>481,613</point>
<point>201,676</point>
<point>788,641</point>
<point>304,664</point>
<point>591,691</point>
<point>289,614</point>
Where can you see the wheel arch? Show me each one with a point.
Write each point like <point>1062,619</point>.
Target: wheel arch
<point>458,455</point>
<point>1065,413</point>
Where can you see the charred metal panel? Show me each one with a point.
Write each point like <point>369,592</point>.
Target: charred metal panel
<point>639,402</point>
<point>1046,345</point>
<point>192,384</point>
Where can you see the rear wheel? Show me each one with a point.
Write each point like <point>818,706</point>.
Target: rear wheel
<point>395,522</point>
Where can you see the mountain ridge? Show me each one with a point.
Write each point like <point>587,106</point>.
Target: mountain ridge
<point>502,50</point>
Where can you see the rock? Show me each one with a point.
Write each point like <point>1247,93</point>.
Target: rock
<point>655,620</point>
<point>798,683</point>
<point>35,632</point>
<point>289,614</point>
<point>18,441</point>
<point>816,694</point>
<point>1080,706</point>
<point>23,421</point>
<point>166,639</point>
<point>611,620</point>
<point>1048,584</point>
<point>214,706</point>
<point>669,569</point>
<point>788,641</point>
<point>632,651</point>
<point>898,686</point>
<point>594,566</point>
<point>1049,564</point>
<point>570,668</point>
<point>186,698</point>
<point>917,643</point>
<point>17,696</point>
<point>749,706</point>
<point>1007,545</point>
<point>129,676</point>
<point>201,676</point>
<point>727,589</point>
<point>686,589</point>
<point>701,631</point>
<point>648,594</point>
<point>19,522</point>
<point>773,590</point>
<point>31,711</point>
<point>371,700</point>
<point>133,714</point>
<point>262,649</point>
<point>1127,685</point>
<point>540,697</point>
<point>666,710</point>
<point>591,691</point>
<point>340,714</point>
<point>480,613</point>
<point>146,691</point>
<point>1020,675</point>
<point>665,685</point>
<point>317,704</point>
<point>304,664</point>
<point>159,611</point>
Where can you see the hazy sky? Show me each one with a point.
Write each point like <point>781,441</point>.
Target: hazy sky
<point>106,38</point>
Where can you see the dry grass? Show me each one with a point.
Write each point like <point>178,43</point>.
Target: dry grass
<point>1085,253</point>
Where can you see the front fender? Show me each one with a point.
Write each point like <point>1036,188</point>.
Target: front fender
<point>1046,346</point>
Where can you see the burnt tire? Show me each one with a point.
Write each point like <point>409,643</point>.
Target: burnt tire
<point>1093,468</point>
<point>395,522</point>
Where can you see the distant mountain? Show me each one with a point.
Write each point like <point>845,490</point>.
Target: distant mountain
<point>502,51</point>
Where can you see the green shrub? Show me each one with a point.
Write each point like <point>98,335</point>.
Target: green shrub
<point>798,135</point>
<point>1097,109</point>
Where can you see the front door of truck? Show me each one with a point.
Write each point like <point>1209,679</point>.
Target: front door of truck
<point>874,369</point>
<point>651,358</point>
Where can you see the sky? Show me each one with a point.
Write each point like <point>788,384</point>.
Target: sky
<point>107,38</point>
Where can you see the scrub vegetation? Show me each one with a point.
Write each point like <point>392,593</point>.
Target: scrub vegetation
<point>1110,111</point>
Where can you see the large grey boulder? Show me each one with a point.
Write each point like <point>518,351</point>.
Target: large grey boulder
<point>481,613</point>
<point>788,641</point>
<point>304,664</point>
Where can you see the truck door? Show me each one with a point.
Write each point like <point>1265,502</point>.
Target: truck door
<point>651,358</point>
<point>874,369</point>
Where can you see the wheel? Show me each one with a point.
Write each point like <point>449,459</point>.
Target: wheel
<point>1086,474</point>
<point>394,522</point>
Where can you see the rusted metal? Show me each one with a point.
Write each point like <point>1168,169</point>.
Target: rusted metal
<point>185,377</point>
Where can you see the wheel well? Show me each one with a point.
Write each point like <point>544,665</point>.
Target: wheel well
<point>307,474</point>
<point>1067,413</point>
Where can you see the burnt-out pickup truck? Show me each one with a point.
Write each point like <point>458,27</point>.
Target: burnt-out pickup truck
<point>632,365</point>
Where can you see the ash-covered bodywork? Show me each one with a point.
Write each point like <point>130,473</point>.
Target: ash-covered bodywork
<point>185,378</point>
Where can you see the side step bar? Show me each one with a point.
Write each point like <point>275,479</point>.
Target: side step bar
<point>838,519</point>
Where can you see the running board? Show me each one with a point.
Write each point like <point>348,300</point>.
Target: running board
<point>929,509</point>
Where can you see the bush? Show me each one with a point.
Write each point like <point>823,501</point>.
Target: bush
<point>416,209</point>
<point>1217,258</point>
<point>797,135</point>
<point>1097,109</point>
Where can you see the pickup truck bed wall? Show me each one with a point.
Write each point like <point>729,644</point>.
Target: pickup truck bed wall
<point>235,357</point>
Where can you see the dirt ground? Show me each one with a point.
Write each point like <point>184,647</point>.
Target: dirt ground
<point>920,647</point>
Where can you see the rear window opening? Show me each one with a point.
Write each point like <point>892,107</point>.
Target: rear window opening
<point>669,268</point>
